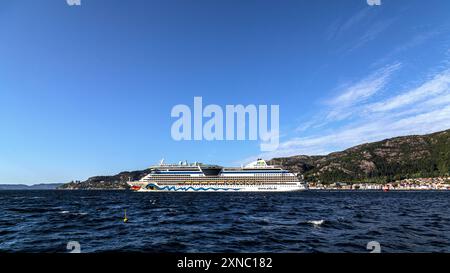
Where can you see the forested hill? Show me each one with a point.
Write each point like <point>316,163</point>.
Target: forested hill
<point>112,182</point>
<point>382,161</point>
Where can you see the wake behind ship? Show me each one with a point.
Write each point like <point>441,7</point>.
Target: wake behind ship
<point>197,177</point>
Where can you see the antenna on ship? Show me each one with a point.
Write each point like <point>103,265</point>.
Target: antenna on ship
<point>161,162</point>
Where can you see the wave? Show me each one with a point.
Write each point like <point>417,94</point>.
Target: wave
<point>73,213</point>
<point>316,222</point>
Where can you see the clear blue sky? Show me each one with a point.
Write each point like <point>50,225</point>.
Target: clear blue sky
<point>88,90</point>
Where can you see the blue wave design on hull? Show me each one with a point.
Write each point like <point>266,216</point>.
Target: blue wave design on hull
<point>173,188</point>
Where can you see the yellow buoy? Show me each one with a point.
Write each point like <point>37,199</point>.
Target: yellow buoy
<point>125,219</point>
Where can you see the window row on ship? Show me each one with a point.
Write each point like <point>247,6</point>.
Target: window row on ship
<point>263,178</point>
<point>224,175</point>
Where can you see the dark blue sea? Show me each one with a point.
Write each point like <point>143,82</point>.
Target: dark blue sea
<point>311,221</point>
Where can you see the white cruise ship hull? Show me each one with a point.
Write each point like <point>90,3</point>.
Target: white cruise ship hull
<point>223,188</point>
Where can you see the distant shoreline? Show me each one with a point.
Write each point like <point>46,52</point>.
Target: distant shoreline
<point>40,186</point>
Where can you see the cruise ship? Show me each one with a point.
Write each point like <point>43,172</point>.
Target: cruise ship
<point>197,177</point>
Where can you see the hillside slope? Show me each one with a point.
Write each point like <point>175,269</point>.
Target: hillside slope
<point>382,161</point>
